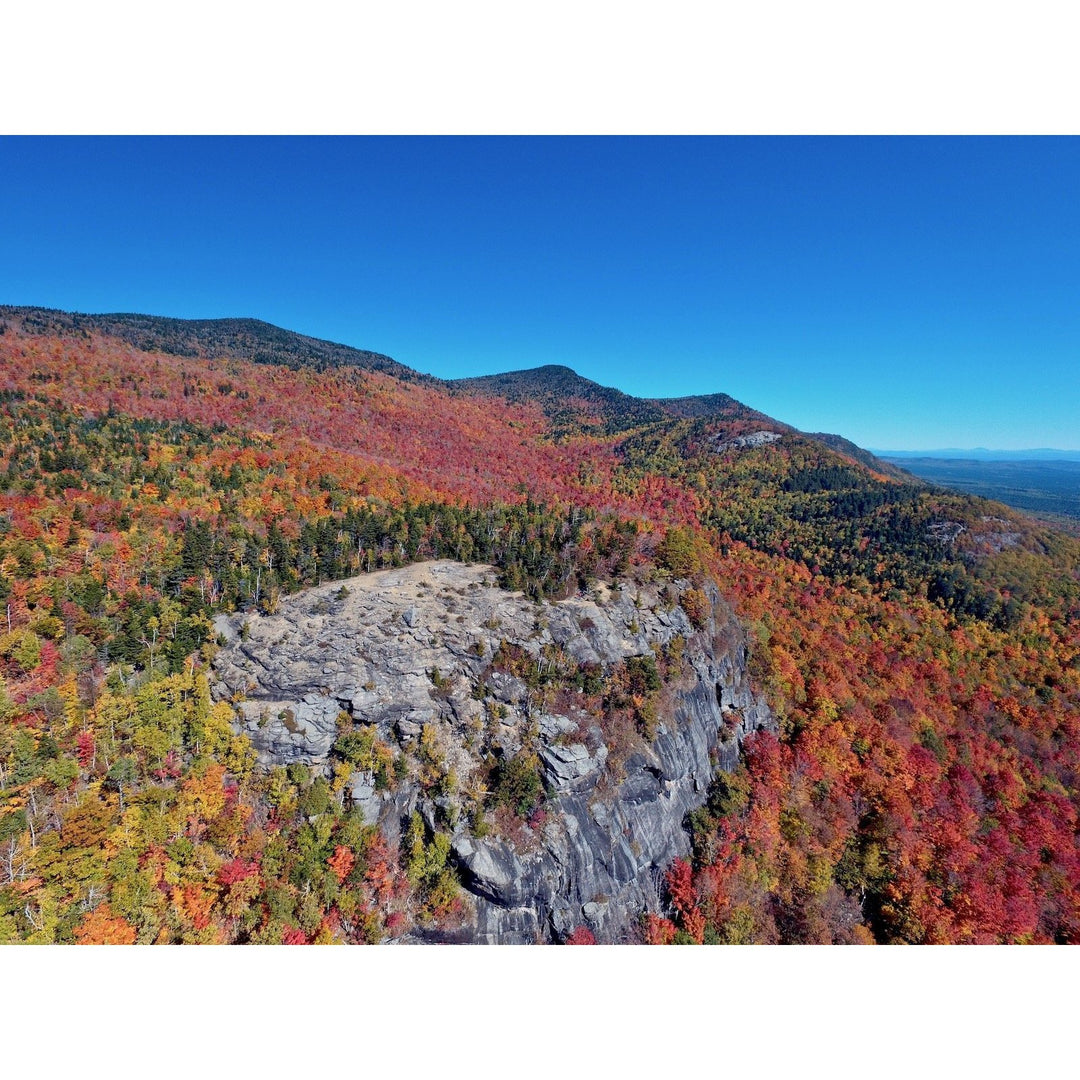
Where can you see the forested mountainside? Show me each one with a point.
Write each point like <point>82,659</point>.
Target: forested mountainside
<point>575,404</point>
<point>871,461</point>
<point>918,649</point>
<point>241,339</point>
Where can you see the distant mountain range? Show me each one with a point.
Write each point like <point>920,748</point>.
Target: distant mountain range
<point>1047,486</point>
<point>980,453</point>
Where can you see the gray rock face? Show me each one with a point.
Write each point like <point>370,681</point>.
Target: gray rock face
<point>564,766</point>
<point>362,791</point>
<point>755,438</point>
<point>409,652</point>
<point>603,856</point>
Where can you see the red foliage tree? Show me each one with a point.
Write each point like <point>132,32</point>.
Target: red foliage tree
<point>581,936</point>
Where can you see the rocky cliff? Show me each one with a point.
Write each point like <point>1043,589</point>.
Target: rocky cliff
<point>556,747</point>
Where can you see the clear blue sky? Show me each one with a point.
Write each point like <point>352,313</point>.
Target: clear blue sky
<point>905,293</point>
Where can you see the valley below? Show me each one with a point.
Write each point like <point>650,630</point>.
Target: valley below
<point>1049,489</point>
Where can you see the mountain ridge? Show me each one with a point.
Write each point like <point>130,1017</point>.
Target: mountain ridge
<point>556,388</point>
<point>238,338</point>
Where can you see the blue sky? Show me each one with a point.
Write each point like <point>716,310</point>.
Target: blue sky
<point>906,293</point>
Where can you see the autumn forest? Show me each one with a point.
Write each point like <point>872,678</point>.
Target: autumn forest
<point>920,649</point>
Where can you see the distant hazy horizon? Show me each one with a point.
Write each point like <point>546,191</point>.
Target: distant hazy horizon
<point>981,453</point>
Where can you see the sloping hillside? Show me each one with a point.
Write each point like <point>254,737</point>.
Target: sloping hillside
<point>919,649</point>
<point>240,339</point>
<point>568,399</point>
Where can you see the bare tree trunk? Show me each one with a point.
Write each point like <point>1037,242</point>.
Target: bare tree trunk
<point>30,818</point>
<point>9,859</point>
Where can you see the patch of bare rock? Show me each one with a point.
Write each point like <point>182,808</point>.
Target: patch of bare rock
<point>420,656</point>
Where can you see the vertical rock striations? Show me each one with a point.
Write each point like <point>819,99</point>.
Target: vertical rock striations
<point>481,696</point>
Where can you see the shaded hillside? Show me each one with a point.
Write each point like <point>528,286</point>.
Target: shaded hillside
<point>241,339</point>
<point>573,402</point>
<point>715,406</point>
<point>569,400</point>
<point>864,457</point>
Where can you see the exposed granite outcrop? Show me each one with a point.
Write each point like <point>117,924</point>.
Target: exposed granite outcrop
<point>409,652</point>
<point>746,442</point>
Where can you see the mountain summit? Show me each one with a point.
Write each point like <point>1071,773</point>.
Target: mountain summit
<point>566,397</point>
<point>564,394</point>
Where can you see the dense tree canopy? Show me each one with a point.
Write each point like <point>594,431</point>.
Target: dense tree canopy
<point>922,652</point>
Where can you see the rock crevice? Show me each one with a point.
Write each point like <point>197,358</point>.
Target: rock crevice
<point>446,667</point>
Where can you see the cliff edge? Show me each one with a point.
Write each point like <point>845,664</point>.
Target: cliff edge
<point>554,750</point>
